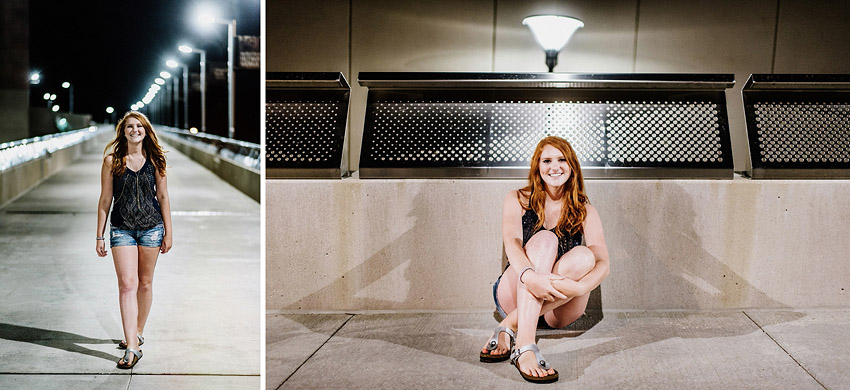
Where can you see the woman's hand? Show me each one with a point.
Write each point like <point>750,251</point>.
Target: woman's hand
<point>100,248</point>
<point>540,285</point>
<point>166,244</point>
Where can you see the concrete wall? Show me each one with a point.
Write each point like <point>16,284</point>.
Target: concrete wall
<point>675,244</point>
<point>19,179</point>
<point>244,179</point>
<point>620,36</point>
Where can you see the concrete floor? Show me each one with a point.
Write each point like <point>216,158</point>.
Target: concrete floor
<point>59,318</point>
<point>752,349</point>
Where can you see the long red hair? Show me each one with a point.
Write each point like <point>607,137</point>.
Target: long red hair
<point>150,145</point>
<point>574,198</point>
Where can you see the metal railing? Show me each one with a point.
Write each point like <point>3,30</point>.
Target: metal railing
<point>14,153</point>
<point>243,153</point>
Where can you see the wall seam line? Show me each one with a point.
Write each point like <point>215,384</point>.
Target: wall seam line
<point>635,45</point>
<point>775,38</point>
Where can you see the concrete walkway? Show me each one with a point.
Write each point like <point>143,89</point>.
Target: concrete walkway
<point>752,349</point>
<point>59,318</point>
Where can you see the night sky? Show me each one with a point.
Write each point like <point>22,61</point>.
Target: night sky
<point>111,51</point>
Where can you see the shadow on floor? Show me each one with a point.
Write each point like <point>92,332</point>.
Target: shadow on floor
<point>55,339</point>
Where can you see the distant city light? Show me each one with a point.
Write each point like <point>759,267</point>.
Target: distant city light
<point>165,75</point>
<point>110,110</point>
<point>55,108</point>
<point>66,85</point>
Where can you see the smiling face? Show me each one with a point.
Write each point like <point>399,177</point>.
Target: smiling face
<point>553,168</point>
<point>133,130</point>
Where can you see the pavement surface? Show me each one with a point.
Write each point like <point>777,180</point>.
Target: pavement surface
<point>59,317</point>
<point>751,349</point>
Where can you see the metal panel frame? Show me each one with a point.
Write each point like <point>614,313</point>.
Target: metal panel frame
<point>802,88</point>
<point>493,87</point>
<point>323,86</point>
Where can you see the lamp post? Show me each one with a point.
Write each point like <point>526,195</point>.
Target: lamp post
<point>552,32</point>
<point>174,64</point>
<point>70,87</point>
<point>189,49</point>
<point>172,93</point>
<point>231,88</point>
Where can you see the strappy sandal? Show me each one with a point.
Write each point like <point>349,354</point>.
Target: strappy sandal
<point>123,344</point>
<point>128,355</point>
<point>488,357</point>
<point>541,362</point>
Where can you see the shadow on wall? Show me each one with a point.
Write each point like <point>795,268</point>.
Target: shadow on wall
<point>670,266</point>
<point>410,271</point>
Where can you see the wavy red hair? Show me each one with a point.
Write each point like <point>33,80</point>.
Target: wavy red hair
<point>150,145</point>
<point>574,211</point>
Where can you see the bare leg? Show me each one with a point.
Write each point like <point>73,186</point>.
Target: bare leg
<point>126,259</point>
<point>542,250</point>
<point>147,263</point>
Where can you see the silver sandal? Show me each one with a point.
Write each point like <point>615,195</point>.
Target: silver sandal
<point>128,355</point>
<point>541,362</point>
<point>488,357</point>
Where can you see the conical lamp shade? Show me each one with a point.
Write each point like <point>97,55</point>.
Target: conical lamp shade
<point>552,32</point>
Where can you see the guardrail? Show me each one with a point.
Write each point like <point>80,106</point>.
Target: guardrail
<point>15,153</point>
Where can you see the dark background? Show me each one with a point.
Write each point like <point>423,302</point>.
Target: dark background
<point>111,51</point>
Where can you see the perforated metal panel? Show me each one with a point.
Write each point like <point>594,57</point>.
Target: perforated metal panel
<point>481,133</point>
<point>804,133</point>
<point>798,125</point>
<point>305,125</point>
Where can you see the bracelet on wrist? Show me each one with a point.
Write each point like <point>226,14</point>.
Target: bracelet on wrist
<point>99,238</point>
<point>522,271</point>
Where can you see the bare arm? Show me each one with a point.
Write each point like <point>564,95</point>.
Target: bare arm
<point>103,204</point>
<point>538,284</point>
<point>165,207</point>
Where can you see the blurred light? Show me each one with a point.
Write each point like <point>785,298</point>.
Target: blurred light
<point>139,104</point>
<point>35,78</point>
<point>155,88</point>
<point>46,96</point>
<point>172,63</point>
<point>165,75</point>
<point>134,107</point>
<point>552,31</point>
<point>159,81</point>
<point>109,110</point>
<point>147,100</point>
<point>185,48</point>
<point>66,85</point>
<point>55,108</point>
<point>52,96</point>
<point>193,130</point>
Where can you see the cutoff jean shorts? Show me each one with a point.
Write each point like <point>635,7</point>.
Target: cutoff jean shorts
<point>151,237</point>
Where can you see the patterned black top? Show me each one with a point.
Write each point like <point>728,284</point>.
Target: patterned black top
<point>134,199</point>
<point>565,243</point>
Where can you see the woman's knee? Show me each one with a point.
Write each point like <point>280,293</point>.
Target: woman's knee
<point>128,285</point>
<point>576,263</point>
<point>543,244</point>
<point>145,285</point>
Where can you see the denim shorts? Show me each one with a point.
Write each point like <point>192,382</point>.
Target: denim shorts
<point>151,237</point>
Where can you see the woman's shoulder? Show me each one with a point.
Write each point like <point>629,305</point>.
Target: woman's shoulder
<point>108,159</point>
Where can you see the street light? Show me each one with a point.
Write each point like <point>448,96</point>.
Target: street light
<point>174,64</point>
<point>70,88</point>
<point>206,17</point>
<point>35,78</point>
<point>189,49</point>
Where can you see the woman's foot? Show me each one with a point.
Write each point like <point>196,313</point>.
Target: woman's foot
<point>130,358</point>
<point>503,338</point>
<point>123,344</point>
<point>533,366</point>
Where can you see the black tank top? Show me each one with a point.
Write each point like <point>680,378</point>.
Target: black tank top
<point>134,199</point>
<point>565,243</point>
